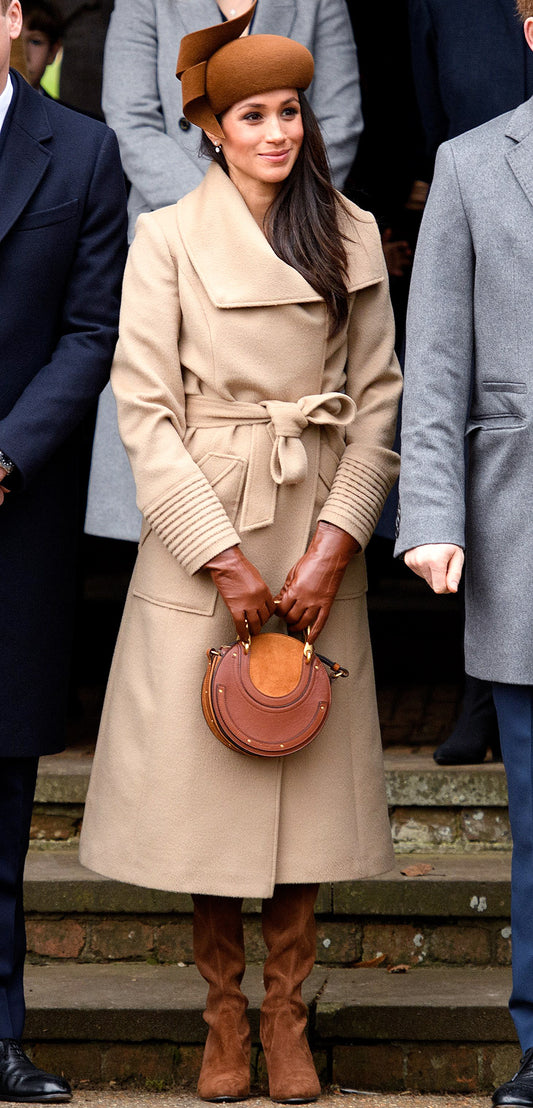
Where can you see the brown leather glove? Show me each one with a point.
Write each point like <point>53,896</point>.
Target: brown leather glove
<point>312,584</point>
<point>242,589</point>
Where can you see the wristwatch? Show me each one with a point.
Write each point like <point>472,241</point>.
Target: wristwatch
<point>6,463</point>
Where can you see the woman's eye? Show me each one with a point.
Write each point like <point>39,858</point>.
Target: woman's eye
<point>252,117</point>
<point>290,111</point>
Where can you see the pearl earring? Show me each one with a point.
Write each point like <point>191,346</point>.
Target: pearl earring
<point>218,149</point>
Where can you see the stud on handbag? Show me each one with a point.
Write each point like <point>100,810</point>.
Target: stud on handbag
<point>269,696</point>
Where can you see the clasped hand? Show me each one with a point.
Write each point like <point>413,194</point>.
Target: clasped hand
<point>312,584</point>
<point>242,589</point>
<point>307,595</point>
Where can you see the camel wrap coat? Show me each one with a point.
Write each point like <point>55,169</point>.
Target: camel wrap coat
<point>222,375</point>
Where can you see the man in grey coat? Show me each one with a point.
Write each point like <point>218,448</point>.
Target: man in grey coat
<point>469,375</point>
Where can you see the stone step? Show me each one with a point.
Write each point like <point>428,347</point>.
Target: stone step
<point>458,913</point>
<point>434,1030</point>
<point>444,808</point>
<point>412,780</point>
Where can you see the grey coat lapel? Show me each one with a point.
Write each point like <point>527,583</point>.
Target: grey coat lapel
<point>197,13</point>
<point>281,15</point>
<point>204,13</point>
<point>520,156</point>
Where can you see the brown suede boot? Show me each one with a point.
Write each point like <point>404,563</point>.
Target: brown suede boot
<point>289,930</point>
<point>219,955</point>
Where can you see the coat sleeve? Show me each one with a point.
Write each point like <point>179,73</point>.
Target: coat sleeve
<point>158,167</point>
<point>172,492</point>
<point>368,467</point>
<point>438,369</point>
<point>63,390</point>
<point>335,95</point>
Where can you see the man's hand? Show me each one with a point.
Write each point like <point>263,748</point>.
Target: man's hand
<point>3,491</point>
<point>439,563</point>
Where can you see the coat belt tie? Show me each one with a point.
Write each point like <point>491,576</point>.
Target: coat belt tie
<point>285,422</point>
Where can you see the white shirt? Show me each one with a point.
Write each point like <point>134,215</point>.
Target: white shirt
<point>5,100</point>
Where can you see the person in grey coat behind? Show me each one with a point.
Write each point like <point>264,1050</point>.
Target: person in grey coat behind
<point>159,151</point>
<point>469,375</point>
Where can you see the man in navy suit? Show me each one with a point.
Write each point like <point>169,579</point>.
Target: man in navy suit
<point>62,252</point>
<point>470,63</point>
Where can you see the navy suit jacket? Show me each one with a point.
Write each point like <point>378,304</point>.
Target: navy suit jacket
<point>62,253</point>
<point>470,63</point>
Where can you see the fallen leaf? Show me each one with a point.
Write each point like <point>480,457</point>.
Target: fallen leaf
<point>401,968</point>
<point>371,962</point>
<point>418,869</point>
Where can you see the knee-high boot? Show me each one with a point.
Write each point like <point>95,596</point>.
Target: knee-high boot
<point>218,943</point>
<point>289,931</point>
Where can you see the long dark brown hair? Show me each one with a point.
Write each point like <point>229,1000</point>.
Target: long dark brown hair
<point>302,225</point>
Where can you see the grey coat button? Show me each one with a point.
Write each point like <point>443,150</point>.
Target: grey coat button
<point>184,124</point>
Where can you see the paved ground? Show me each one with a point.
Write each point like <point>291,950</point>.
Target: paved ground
<point>108,1098</point>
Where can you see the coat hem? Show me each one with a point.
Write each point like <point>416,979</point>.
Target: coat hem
<point>245,889</point>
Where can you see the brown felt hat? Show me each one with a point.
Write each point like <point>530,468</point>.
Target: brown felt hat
<point>217,68</point>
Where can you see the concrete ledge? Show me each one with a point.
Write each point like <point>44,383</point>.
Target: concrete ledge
<point>54,881</point>
<point>429,1004</point>
<point>130,1003</point>
<point>474,886</point>
<point>415,780</point>
<point>412,780</point>
<point>136,1003</point>
<point>63,779</point>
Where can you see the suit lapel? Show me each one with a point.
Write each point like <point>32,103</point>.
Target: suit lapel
<point>24,160</point>
<point>520,156</point>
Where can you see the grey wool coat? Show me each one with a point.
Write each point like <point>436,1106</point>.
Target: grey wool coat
<point>224,375</point>
<point>469,377</point>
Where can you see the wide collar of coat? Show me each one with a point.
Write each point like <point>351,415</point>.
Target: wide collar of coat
<point>520,156</point>
<point>25,157</point>
<point>234,261</point>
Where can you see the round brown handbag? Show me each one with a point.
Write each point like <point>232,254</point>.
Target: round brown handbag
<point>269,696</point>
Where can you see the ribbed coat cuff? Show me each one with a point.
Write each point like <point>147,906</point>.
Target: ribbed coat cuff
<point>357,496</point>
<point>192,523</point>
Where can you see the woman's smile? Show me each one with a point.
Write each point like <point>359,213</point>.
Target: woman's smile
<point>275,155</point>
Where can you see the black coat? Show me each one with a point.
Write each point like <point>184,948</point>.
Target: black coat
<point>62,253</point>
<point>470,63</point>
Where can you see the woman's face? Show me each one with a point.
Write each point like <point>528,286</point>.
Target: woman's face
<point>262,137</point>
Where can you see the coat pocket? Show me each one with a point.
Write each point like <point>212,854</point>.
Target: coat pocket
<point>47,217</point>
<point>158,577</point>
<point>496,422</point>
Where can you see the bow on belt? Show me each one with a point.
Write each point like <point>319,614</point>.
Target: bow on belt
<point>285,421</point>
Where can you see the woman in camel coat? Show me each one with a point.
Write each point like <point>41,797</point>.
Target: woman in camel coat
<point>251,426</point>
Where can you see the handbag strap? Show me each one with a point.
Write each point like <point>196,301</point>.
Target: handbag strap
<point>336,669</point>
